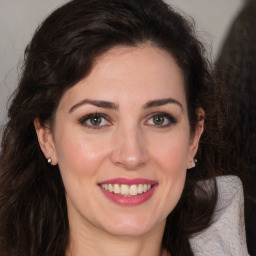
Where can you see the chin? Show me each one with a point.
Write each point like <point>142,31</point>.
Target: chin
<point>132,226</point>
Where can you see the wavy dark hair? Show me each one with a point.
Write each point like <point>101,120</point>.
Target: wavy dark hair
<point>235,74</point>
<point>33,210</point>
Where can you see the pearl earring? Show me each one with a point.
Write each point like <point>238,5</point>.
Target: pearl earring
<point>49,160</point>
<point>193,163</point>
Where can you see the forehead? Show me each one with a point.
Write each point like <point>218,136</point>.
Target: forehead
<point>132,74</point>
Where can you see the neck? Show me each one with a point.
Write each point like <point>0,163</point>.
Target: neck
<point>97,242</point>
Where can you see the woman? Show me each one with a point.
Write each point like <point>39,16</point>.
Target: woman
<point>98,154</point>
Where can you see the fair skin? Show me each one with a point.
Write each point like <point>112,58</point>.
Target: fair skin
<point>125,123</point>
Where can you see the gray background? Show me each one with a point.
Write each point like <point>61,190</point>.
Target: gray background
<point>19,19</point>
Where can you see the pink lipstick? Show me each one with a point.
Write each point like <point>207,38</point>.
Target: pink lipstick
<point>128,192</point>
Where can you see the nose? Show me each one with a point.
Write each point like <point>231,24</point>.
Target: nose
<point>130,149</point>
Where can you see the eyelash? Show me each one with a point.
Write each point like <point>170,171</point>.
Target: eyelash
<point>166,118</point>
<point>171,120</point>
<point>86,118</point>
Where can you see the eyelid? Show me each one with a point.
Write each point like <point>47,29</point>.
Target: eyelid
<point>85,118</point>
<point>172,120</point>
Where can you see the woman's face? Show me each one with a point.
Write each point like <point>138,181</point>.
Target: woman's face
<point>122,142</point>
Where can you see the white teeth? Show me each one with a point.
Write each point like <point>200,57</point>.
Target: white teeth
<point>140,189</point>
<point>110,188</point>
<point>133,190</point>
<point>127,190</point>
<point>117,189</point>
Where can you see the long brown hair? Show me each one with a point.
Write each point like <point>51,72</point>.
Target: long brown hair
<point>33,211</point>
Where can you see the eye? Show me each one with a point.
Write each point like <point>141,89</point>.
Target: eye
<point>159,120</point>
<point>162,120</point>
<point>94,121</point>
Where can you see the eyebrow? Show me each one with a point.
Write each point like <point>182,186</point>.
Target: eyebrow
<point>97,103</point>
<point>111,105</point>
<point>161,102</point>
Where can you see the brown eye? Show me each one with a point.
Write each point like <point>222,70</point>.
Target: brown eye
<point>158,120</point>
<point>95,120</point>
<point>161,120</point>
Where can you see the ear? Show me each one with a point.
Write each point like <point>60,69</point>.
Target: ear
<point>46,142</point>
<point>194,141</point>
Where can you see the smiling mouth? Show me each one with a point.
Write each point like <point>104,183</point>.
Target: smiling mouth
<point>127,190</point>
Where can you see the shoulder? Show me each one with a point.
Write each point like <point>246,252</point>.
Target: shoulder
<point>226,236</point>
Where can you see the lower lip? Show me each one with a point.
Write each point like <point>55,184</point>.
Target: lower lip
<point>129,200</point>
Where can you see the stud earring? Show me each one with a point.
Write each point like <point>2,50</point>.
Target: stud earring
<point>193,163</point>
<point>49,160</point>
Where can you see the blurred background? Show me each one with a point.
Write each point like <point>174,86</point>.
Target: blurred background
<point>19,19</point>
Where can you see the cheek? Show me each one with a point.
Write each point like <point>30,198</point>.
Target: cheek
<point>80,162</point>
<point>173,162</point>
<point>172,153</point>
<point>171,156</point>
<point>78,155</point>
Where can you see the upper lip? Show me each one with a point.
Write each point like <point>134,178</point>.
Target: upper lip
<point>128,181</point>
